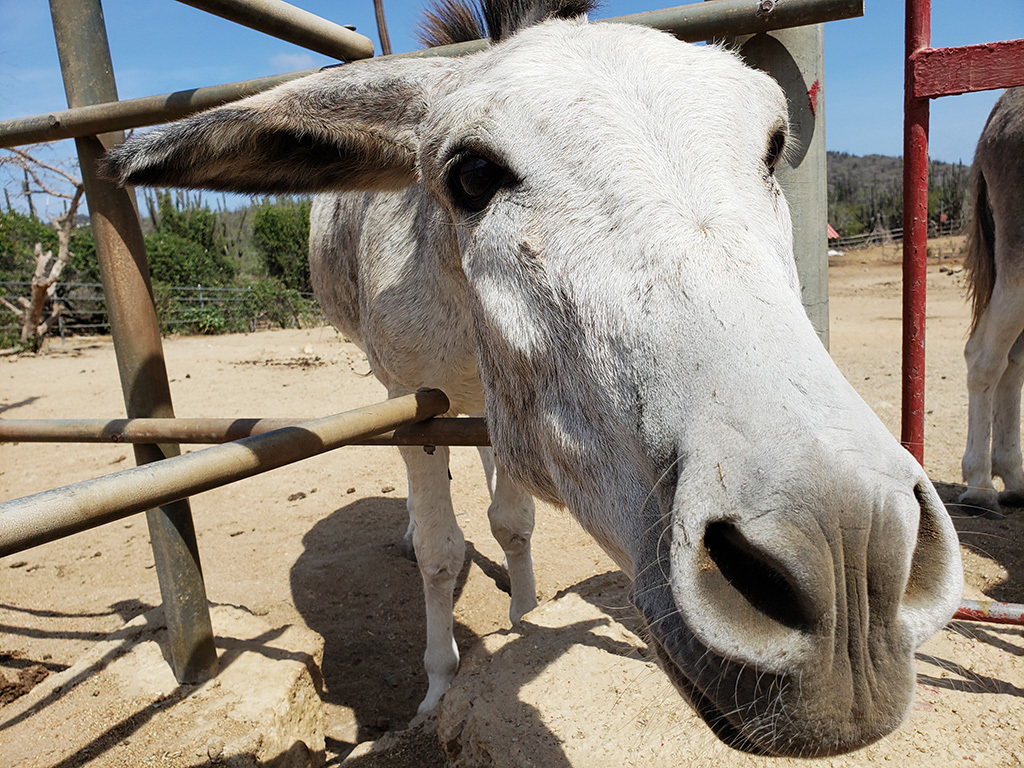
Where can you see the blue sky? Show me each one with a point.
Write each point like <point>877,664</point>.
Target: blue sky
<point>161,45</point>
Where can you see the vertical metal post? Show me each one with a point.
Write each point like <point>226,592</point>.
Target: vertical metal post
<point>915,232</point>
<point>84,53</point>
<point>796,59</point>
<point>382,27</point>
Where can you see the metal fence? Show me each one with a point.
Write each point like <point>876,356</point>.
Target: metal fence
<point>879,236</point>
<point>94,112</point>
<point>931,73</point>
<point>181,308</point>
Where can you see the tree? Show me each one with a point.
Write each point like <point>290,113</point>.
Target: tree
<point>183,247</point>
<point>174,260</point>
<point>53,181</point>
<point>19,233</point>
<point>281,235</point>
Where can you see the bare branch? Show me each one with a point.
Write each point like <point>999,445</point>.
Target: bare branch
<point>48,268</point>
<point>32,160</point>
<point>31,165</point>
<point>17,312</point>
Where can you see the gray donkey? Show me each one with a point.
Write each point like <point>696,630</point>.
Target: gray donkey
<point>995,350</point>
<point>579,231</point>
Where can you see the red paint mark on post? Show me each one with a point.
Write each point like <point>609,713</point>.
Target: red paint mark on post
<point>812,95</point>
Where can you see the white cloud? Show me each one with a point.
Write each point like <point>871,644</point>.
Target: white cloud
<point>292,62</point>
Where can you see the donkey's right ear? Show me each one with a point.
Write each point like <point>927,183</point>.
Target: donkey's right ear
<point>350,127</point>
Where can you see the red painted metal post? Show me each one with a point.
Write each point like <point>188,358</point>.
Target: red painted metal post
<point>915,232</point>
<point>968,68</point>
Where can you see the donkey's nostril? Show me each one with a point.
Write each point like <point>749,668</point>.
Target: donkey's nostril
<point>758,576</point>
<point>929,562</point>
<point>935,578</point>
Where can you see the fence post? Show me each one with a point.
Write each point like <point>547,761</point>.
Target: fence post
<point>795,57</point>
<point>915,233</point>
<point>84,54</point>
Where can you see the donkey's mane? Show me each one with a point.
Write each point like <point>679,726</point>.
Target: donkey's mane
<point>458,21</point>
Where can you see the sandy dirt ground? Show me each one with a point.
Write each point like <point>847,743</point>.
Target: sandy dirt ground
<point>319,544</point>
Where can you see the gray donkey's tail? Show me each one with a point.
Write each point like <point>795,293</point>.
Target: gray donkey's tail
<point>980,263</point>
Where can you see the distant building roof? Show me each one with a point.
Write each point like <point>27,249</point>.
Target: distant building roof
<point>832,234</point>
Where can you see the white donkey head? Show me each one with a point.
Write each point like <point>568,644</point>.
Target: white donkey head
<point>645,357</point>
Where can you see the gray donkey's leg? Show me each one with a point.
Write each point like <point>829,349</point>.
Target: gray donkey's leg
<point>511,515</point>
<point>988,357</point>
<point>440,550</point>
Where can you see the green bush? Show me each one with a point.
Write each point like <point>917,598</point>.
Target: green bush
<point>270,301</point>
<point>207,319</point>
<point>18,237</point>
<point>176,261</point>
<point>84,266</point>
<point>281,235</point>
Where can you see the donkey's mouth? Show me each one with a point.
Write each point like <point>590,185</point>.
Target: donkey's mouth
<point>709,712</point>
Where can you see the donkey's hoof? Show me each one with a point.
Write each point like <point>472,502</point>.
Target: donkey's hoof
<point>1011,498</point>
<point>427,719</point>
<point>984,504</point>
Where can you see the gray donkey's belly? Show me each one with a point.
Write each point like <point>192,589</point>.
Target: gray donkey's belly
<point>386,271</point>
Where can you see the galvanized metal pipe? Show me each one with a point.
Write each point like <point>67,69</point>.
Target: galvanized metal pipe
<point>697,21</point>
<point>464,431</point>
<point>133,113</point>
<point>84,54</point>
<point>733,18</point>
<point>795,58</point>
<point>53,514</point>
<point>294,25</point>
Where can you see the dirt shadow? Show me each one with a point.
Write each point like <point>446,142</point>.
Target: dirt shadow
<point>4,407</point>
<point>997,540</point>
<point>355,586</point>
<point>532,648</point>
<point>20,673</point>
<point>961,678</point>
<point>131,723</point>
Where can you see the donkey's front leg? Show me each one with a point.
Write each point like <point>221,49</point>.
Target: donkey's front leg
<point>987,353</point>
<point>511,515</point>
<point>440,549</point>
<point>1006,452</point>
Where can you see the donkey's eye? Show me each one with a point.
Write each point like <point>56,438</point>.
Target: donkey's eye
<point>474,180</point>
<point>775,146</point>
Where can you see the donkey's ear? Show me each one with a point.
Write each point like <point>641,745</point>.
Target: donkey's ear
<point>349,127</point>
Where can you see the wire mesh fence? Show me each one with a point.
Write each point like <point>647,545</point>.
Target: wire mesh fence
<point>180,309</point>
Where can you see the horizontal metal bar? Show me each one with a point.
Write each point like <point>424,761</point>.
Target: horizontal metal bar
<point>465,431</point>
<point>294,25</point>
<point>693,22</point>
<point>733,18</point>
<point>50,515</point>
<point>968,68</point>
<point>995,613</point>
<point>133,113</point>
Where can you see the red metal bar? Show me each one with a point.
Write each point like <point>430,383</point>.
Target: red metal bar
<point>968,68</point>
<point>915,232</point>
<point>996,613</point>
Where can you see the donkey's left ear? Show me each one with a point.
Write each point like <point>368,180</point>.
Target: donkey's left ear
<point>349,127</point>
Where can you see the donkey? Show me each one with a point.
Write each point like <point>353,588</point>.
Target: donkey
<point>579,232</point>
<point>994,267</point>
